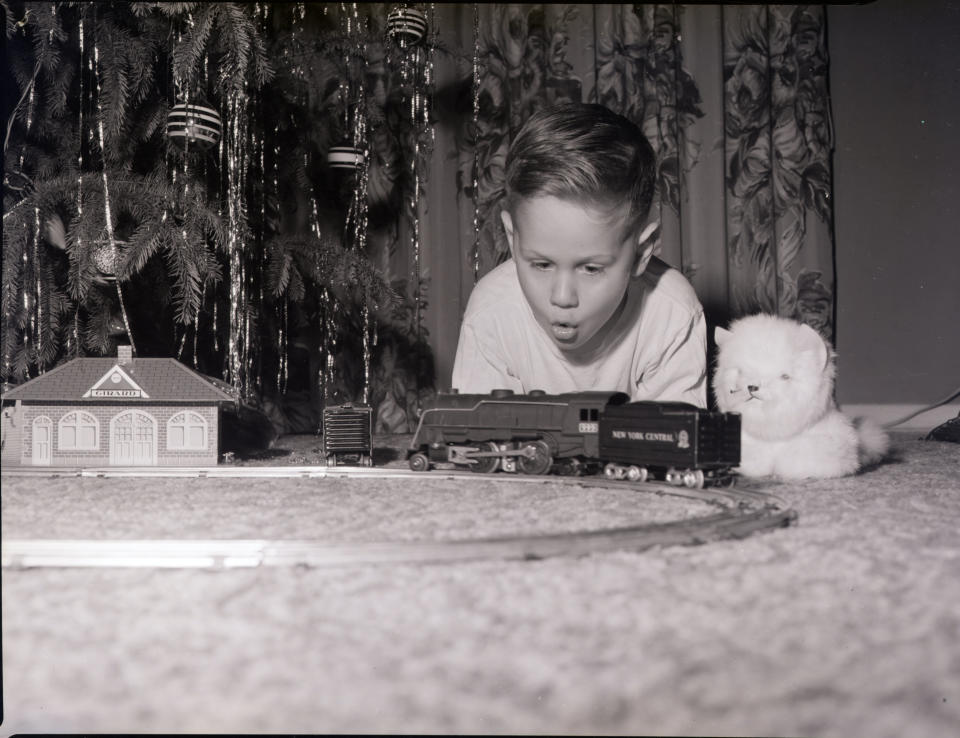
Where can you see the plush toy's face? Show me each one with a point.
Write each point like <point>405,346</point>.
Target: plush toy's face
<point>777,373</point>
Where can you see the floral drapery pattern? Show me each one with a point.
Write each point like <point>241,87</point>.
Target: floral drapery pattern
<point>733,99</point>
<point>778,144</point>
<point>526,67</point>
<point>524,61</point>
<point>641,76</point>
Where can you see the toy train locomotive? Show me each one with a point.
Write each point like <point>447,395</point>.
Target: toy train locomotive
<point>571,433</point>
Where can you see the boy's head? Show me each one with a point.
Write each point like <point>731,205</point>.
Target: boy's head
<point>584,153</point>
<point>579,185</point>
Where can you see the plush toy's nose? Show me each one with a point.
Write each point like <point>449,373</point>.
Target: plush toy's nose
<point>753,387</point>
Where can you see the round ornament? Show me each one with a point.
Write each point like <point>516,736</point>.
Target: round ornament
<point>195,124</point>
<point>105,258</point>
<point>407,25</point>
<point>345,156</point>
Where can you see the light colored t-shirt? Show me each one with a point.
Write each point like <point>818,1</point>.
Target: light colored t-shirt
<point>655,350</point>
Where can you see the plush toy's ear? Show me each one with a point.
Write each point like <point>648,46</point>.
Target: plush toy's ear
<point>720,335</point>
<point>813,343</point>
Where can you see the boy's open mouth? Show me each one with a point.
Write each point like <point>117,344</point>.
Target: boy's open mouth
<point>564,331</point>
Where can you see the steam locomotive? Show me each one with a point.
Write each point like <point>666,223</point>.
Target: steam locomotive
<point>578,432</point>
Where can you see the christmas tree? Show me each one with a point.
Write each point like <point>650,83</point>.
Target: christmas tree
<point>170,182</point>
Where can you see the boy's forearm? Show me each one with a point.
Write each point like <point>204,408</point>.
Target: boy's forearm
<point>474,372</point>
<point>682,374</point>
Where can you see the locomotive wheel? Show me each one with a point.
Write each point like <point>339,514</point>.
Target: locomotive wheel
<point>637,474</point>
<point>486,464</point>
<point>540,460</point>
<point>693,479</point>
<point>419,463</point>
<point>610,471</point>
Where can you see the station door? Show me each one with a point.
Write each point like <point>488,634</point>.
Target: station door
<point>42,441</point>
<point>133,439</point>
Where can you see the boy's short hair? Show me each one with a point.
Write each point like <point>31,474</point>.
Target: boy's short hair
<point>582,151</point>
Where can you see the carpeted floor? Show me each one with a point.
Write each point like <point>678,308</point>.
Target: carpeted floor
<point>847,624</point>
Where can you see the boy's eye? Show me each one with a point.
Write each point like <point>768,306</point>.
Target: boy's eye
<point>541,265</point>
<point>593,269</point>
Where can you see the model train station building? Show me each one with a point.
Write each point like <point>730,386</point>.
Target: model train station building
<point>121,411</point>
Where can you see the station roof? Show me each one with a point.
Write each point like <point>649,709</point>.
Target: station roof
<point>92,380</point>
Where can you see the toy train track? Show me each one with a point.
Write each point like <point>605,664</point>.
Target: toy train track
<point>742,511</point>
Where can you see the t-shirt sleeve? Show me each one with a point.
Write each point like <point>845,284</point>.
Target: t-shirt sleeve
<point>680,373</point>
<point>477,368</point>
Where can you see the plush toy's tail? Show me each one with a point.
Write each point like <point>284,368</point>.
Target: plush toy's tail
<point>874,443</point>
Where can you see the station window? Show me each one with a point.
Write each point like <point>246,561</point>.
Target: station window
<point>187,431</point>
<point>78,431</point>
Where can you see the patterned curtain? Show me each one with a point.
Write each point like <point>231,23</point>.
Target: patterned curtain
<point>733,98</point>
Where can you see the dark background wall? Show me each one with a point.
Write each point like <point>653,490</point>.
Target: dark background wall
<point>895,85</point>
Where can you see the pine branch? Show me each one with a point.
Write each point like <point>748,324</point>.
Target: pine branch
<point>155,121</point>
<point>56,305</point>
<point>322,261</point>
<point>188,281</point>
<point>114,84</point>
<point>16,108</point>
<point>14,243</point>
<point>242,47</point>
<point>48,33</point>
<point>168,9</point>
<point>228,30</point>
<point>296,289</point>
<point>12,23</point>
<point>148,239</point>
<point>100,325</point>
<point>189,51</point>
<point>279,265</point>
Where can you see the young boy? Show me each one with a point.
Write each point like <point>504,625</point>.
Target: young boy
<point>583,304</point>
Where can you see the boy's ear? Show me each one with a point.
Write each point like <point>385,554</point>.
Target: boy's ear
<point>644,245</point>
<point>507,221</point>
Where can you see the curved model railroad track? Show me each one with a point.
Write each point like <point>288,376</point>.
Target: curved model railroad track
<point>740,512</point>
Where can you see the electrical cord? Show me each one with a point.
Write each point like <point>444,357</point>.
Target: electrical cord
<point>915,413</point>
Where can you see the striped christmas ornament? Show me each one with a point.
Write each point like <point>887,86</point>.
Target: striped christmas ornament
<point>408,25</point>
<point>345,157</point>
<point>195,124</point>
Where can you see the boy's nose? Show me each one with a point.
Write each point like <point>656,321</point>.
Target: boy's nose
<point>564,292</point>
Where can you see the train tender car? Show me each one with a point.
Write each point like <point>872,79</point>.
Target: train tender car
<point>675,441</point>
<point>347,433</point>
<point>571,432</point>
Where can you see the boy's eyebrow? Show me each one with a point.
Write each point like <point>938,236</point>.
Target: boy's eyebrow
<point>602,258</point>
